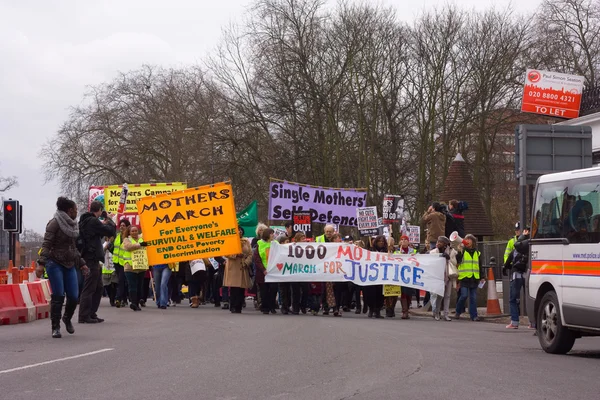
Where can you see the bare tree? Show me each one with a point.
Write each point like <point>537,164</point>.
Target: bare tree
<point>569,32</point>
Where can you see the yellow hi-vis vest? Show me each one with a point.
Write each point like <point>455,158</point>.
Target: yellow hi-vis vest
<point>262,251</point>
<point>320,238</point>
<point>469,267</point>
<point>510,247</point>
<point>118,247</point>
<point>125,256</point>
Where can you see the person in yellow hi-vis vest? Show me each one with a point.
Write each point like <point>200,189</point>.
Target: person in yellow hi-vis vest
<point>470,276</point>
<point>121,297</point>
<point>268,291</point>
<point>109,275</point>
<point>510,246</point>
<point>135,277</point>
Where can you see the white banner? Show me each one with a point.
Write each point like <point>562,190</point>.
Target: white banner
<point>342,262</point>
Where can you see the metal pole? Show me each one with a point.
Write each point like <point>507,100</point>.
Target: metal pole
<point>11,248</point>
<point>212,159</point>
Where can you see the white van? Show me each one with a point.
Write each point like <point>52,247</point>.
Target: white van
<point>564,274</point>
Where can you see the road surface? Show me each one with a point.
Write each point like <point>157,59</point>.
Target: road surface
<point>209,353</point>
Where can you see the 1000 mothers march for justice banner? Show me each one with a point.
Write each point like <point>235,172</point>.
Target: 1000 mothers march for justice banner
<point>342,262</point>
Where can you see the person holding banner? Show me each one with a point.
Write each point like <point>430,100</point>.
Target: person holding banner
<point>134,271</point>
<point>299,289</point>
<point>268,291</point>
<point>328,295</point>
<point>356,289</point>
<point>237,274</point>
<point>373,294</point>
<point>406,292</point>
<point>453,258</point>
<point>285,288</point>
<point>391,301</point>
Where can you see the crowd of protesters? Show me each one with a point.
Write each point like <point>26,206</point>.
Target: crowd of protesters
<point>88,259</point>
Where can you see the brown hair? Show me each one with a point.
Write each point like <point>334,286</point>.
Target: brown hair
<point>266,235</point>
<point>300,236</point>
<point>453,203</point>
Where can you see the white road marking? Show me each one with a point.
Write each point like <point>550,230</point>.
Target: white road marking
<point>91,353</point>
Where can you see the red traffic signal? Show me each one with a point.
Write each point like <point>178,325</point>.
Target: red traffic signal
<point>11,217</point>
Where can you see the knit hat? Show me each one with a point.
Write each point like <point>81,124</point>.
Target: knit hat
<point>404,237</point>
<point>282,239</point>
<point>443,239</point>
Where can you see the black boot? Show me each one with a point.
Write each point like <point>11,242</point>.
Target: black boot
<point>134,305</point>
<point>56,304</point>
<point>69,311</point>
<point>378,313</point>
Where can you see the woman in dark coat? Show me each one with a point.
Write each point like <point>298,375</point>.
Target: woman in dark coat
<point>61,258</point>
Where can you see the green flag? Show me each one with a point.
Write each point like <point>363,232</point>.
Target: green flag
<point>248,219</point>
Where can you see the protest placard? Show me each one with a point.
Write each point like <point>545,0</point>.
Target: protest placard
<point>186,225</point>
<point>367,220</point>
<point>391,290</point>
<point>414,233</point>
<point>302,222</point>
<point>393,209</point>
<point>139,259</point>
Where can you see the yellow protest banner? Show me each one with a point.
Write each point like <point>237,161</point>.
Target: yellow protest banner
<point>139,260</point>
<point>391,290</point>
<point>112,194</point>
<point>190,224</point>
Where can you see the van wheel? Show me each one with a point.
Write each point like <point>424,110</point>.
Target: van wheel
<point>553,336</point>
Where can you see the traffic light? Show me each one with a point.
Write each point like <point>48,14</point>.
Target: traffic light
<point>11,214</point>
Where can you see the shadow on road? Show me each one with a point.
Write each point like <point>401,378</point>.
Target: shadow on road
<point>585,354</point>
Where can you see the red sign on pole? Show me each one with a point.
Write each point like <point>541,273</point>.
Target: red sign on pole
<point>552,93</point>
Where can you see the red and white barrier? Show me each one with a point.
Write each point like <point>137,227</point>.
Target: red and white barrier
<point>41,304</point>
<point>12,306</point>
<point>24,302</point>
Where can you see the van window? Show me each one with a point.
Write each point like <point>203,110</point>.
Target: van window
<point>582,217</point>
<point>568,209</point>
<point>548,210</point>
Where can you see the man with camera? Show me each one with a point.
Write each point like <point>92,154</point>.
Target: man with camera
<point>516,264</point>
<point>93,227</point>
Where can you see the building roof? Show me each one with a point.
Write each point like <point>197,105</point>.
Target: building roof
<point>459,186</point>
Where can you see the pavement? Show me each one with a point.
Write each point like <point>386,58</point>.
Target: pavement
<point>209,353</point>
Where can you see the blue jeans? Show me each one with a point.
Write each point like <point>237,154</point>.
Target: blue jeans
<point>161,285</point>
<point>515,294</point>
<point>460,304</point>
<point>63,280</point>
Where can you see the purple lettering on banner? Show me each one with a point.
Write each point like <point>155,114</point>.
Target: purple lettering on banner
<point>326,205</point>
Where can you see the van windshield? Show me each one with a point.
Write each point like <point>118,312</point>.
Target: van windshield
<point>568,209</point>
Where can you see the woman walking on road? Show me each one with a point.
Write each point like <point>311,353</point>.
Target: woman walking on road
<point>237,275</point>
<point>61,258</point>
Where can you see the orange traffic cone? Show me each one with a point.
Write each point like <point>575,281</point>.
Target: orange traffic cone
<point>493,304</point>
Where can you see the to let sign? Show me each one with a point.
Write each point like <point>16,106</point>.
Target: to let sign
<point>552,93</point>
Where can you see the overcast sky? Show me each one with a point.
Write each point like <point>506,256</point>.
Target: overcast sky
<point>50,50</point>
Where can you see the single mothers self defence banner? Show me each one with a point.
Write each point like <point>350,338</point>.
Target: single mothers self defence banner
<point>326,205</point>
